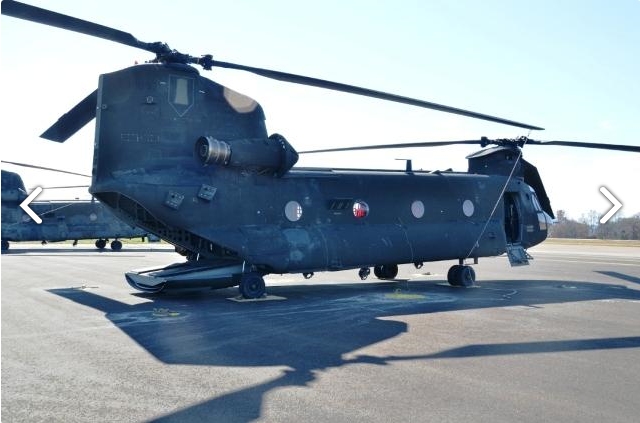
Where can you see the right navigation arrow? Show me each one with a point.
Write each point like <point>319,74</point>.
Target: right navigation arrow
<point>617,205</point>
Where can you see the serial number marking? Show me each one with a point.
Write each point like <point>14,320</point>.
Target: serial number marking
<point>145,138</point>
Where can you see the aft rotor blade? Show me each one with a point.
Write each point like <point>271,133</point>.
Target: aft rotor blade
<point>67,187</point>
<point>352,89</point>
<point>36,14</point>
<point>46,168</point>
<point>388,146</point>
<point>72,121</point>
<point>619,147</point>
<point>517,142</point>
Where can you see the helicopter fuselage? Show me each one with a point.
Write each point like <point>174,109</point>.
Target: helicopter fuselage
<point>331,219</point>
<point>190,161</point>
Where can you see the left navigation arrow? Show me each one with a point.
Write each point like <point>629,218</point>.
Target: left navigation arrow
<point>25,205</point>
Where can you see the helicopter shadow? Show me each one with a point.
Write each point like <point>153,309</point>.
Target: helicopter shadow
<point>318,325</point>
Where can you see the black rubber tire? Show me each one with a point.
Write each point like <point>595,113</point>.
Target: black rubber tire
<point>467,276</point>
<point>377,271</point>
<point>452,275</point>
<point>252,286</point>
<point>386,271</point>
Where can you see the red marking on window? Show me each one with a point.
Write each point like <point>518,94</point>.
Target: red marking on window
<point>360,209</point>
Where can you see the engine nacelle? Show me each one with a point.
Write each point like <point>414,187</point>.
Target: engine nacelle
<point>272,154</point>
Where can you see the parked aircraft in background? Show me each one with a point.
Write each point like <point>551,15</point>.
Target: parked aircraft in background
<point>61,220</point>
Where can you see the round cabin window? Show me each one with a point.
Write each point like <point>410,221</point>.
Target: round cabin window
<point>293,211</point>
<point>468,208</point>
<point>360,209</point>
<point>417,209</point>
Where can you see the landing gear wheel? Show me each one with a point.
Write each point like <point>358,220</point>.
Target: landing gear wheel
<point>459,275</point>
<point>377,270</point>
<point>5,245</point>
<point>116,245</point>
<point>101,243</point>
<point>451,274</point>
<point>252,286</point>
<point>386,271</point>
<point>467,276</point>
<point>364,272</point>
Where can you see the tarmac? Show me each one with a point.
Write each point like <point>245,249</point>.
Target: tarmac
<point>558,340</point>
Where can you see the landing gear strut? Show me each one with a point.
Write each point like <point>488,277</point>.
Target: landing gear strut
<point>460,275</point>
<point>252,285</point>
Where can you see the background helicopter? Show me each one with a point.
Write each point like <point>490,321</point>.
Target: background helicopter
<point>305,233</point>
<point>61,220</point>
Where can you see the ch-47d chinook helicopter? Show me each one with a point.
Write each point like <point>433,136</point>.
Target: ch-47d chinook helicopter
<point>191,161</point>
<point>62,220</point>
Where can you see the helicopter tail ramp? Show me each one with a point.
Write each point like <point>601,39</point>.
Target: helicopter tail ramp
<point>184,276</point>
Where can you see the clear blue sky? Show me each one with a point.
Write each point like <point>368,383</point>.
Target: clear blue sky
<point>571,67</point>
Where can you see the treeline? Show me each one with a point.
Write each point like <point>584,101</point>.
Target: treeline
<point>589,226</point>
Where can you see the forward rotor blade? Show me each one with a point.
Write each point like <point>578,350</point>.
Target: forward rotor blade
<point>352,89</point>
<point>72,121</point>
<point>388,146</point>
<point>36,14</point>
<point>619,147</point>
<point>46,168</point>
<point>47,17</point>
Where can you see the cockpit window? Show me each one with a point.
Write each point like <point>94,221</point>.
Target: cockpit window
<point>536,203</point>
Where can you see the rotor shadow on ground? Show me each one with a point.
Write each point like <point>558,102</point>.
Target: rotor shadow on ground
<point>318,325</point>
<point>618,275</point>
